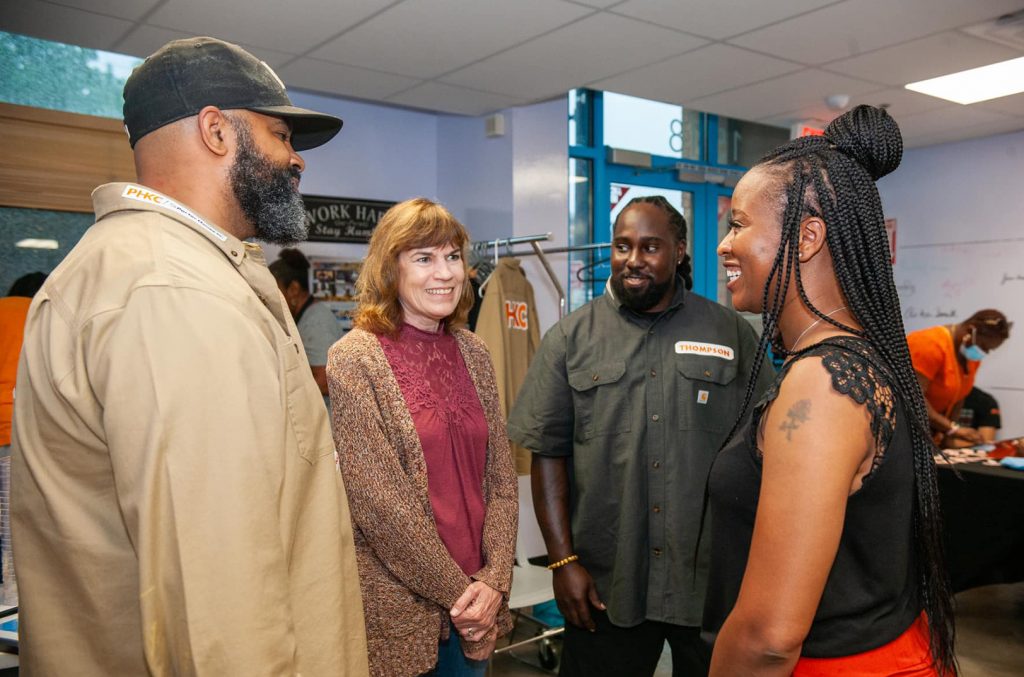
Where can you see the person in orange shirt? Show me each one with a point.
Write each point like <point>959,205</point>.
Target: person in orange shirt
<point>13,311</point>
<point>946,359</point>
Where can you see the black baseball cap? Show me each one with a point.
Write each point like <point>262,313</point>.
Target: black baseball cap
<point>184,76</point>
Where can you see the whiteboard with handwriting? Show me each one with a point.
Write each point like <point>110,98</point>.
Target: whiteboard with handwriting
<point>944,284</point>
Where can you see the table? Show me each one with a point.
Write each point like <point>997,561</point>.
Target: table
<point>984,524</point>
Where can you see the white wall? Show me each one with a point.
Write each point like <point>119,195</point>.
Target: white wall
<point>516,184</point>
<point>540,185</point>
<point>959,210</point>
<point>381,153</point>
<point>474,175</point>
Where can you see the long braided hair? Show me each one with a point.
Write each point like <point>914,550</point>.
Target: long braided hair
<point>678,223</point>
<point>833,177</point>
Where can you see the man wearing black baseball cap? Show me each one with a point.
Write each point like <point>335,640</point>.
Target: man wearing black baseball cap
<point>178,509</point>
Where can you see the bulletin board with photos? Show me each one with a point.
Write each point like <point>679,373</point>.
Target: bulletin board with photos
<point>333,282</point>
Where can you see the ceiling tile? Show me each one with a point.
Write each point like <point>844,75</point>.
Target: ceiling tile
<point>948,52</point>
<point>451,99</point>
<point>647,48</point>
<point>704,71</point>
<point>145,40</point>
<point>280,26</point>
<point>62,24</point>
<point>1003,126</point>
<point>772,97</point>
<point>133,10</point>
<point>582,52</point>
<point>899,102</point>
<point>854,27</point>
<point>716,18</point>
<point>351,81</point>
<point>1012,105</point>
<point>418,44</point>
<point>951,119</point>
<point>600,4</point>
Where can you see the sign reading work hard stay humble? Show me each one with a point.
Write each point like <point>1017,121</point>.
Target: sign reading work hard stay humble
<point>342,219</point>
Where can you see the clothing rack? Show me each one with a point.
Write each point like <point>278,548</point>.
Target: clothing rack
<point>534,242</point>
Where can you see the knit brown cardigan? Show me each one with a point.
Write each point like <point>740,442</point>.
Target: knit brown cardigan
<point>409,580</point>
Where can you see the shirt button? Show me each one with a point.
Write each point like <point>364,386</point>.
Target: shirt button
<point>656,464</point>
<point>596,377</point>
<point>655,417</point>
<point>651,332</point>
<point>234,253</point>
<point>707,373</point>
<point>653,373</point>
<point>657,508</point>
<point>657,552</point>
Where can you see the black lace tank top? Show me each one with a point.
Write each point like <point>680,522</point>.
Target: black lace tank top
<point>870,597</point>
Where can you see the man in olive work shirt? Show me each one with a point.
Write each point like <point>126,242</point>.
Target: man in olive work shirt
<point>624,407</point>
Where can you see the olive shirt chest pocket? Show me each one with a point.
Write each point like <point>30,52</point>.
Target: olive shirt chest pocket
<point>707,396</point>
<point>600,399</point>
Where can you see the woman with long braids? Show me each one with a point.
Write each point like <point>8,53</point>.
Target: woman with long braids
<point>826,553</point>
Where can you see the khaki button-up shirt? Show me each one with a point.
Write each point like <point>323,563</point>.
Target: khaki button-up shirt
<point>641,403</point>
<point>176,503</point>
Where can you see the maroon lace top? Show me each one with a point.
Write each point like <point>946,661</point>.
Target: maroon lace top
<point>449,419</point>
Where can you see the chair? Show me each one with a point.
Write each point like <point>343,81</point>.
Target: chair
<point>531,584</point>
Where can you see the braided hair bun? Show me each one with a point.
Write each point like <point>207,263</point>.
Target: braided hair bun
<point>870,136</point>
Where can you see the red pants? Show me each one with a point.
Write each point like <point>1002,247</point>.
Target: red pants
<point>909,655</point>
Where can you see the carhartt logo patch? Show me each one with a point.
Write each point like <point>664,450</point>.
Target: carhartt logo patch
<point>709,349</point>
<point>702,397</point>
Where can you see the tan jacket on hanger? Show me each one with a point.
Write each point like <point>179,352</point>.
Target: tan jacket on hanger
<point>508,325</point>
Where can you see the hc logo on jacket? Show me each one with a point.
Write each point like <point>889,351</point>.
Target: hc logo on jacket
<point>516,315</point>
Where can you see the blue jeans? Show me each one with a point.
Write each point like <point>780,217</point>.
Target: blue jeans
<point>451,662</point>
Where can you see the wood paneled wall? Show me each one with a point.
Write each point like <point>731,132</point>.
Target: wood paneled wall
<point>53,160</point>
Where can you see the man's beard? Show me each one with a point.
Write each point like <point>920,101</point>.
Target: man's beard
<point>640,300</point>
<point>269,200</point>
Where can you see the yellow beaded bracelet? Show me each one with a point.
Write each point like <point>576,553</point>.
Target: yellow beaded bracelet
<point>563,562</point>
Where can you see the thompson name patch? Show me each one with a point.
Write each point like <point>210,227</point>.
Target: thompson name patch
<point>709,349</point>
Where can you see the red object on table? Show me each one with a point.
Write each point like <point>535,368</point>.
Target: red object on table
<point>1005,448</point>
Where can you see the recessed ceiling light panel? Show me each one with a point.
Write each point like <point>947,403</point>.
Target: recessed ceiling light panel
<point>977,84</point>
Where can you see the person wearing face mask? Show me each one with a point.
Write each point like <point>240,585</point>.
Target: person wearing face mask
<point>946,359</point>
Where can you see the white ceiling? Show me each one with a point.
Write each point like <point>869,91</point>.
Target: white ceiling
<point>771,61</point>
